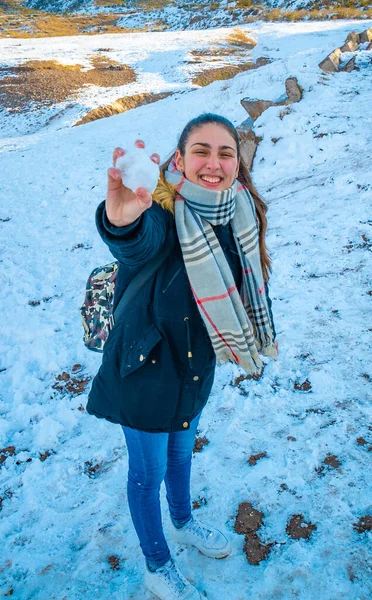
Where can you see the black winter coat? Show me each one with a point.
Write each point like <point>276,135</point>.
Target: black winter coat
<point>146,380</point>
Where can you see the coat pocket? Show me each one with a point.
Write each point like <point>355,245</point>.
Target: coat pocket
<point>138,353</point>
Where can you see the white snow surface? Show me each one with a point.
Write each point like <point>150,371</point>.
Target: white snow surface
<point>61,519</point>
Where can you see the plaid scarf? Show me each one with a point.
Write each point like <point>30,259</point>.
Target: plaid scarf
<point>237,322</point>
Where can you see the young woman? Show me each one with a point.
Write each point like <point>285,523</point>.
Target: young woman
<point>207,303</point>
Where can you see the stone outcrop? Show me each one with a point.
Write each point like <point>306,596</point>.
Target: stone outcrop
<point>366,36</point>
<point>349,65</point>
<point>332,63</point>
<point>248,139</point>
<point>294,91</point>
<point>255,108</point>
<point>248,142</point>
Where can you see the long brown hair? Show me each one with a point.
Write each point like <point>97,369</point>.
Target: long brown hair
<point>164,189</point>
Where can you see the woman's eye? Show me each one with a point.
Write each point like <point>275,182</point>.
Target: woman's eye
<point>227,155</point>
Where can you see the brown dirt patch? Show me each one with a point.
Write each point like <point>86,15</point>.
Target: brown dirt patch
<point>5,452</point>
<point>47,82</point>
<point>361,441</point>
<point>201,501</point>
<point>255,550</point>
<point>332,461</point>
<point>92,469</point>
<point>252,460</point>
<point>227,72</point>
<point>43,456</point>
<point>364,524</point>
<point>303,386</point>
<point>114,562</point>
<point>121,105</point>
<point>76,384</point>
<point>248,519</point>
<point>200,442</point>
<point>297,528</point>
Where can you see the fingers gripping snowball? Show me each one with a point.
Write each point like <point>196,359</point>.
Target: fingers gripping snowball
<point>138,170</point>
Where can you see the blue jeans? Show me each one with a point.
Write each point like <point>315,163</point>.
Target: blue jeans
<point>154,457</point>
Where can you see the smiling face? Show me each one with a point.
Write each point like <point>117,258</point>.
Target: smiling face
<point>211,157</point>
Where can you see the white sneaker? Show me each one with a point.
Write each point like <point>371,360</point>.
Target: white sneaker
<point>168,583</point>
<point>209,540</point>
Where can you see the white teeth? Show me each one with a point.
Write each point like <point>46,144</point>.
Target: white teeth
<point>211,179</point>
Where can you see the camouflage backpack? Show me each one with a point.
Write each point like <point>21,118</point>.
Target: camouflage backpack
<point>97,310</point>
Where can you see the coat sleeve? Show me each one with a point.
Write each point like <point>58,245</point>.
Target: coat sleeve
<point>269,303</point>
<point>135,244</point>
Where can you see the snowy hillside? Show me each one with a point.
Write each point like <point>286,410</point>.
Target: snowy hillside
<point>74,5</point>
<point>296,444</point>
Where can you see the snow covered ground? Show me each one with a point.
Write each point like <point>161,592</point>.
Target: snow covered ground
<point>162,62</point>
<point>65,529</point>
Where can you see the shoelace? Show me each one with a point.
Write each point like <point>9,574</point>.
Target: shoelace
<point>200,529</point>
<point>174,578</point>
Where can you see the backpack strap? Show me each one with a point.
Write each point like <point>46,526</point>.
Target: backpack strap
<point>144,275</point>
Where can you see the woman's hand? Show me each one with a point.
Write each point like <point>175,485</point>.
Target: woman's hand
<point>122,205</point>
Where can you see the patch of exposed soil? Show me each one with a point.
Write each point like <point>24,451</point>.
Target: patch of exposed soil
<point>114,562</point>
<point>47,82</point>
<point>5,452</point>
<point>208,75</point>
<point>92,469</point>
<point>121,105</point>
<point>254,549</point>
<point>200,442</point>
<point>330,462</point>
<point>201,501</point>
<point>297,528</point>
<point>74,383</point>
<point>364,524</point>
<point>304,386</point>
<point>252,460</point>
<point>44,455</point>
<point>248,519</point>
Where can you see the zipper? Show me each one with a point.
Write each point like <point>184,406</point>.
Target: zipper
<point>188,335</point>
<point>172,279</point>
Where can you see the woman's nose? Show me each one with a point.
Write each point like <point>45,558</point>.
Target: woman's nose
<point>213,162</point>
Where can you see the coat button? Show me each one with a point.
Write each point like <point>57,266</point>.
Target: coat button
<point>185,424</point>
<point>142,358</point>
<point>196,378</point>
<point>153,361</point>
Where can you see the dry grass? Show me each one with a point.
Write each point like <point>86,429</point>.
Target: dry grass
<point>47,82</point>
<point>227,72</point>
<point>240,39</point>
<point>16,21</point>
<point>121,105</point>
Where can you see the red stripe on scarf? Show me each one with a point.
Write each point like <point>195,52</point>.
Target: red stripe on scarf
<point>180,185</point>
<point>247,271</point>
<point>236,358</point>
<point>240,188</point>
<point>261,289</point>
<point>221,297</point>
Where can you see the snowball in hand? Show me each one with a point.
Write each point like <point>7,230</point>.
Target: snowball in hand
<point>138,170</point>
